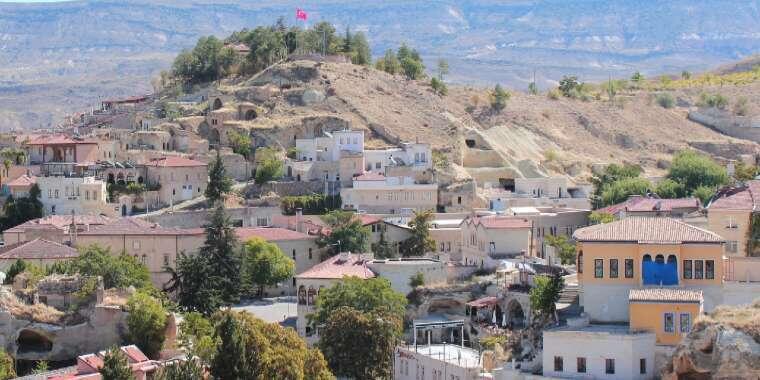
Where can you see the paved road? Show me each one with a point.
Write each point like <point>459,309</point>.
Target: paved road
<point>282,310</point>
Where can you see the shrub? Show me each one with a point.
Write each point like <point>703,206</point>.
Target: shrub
<point>741,108</point>
<point>713,101</point>
<point>313,204</point>
<point>665,100</point>
<point>553,94</point>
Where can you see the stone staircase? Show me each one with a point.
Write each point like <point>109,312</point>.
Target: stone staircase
<point>569,294</point>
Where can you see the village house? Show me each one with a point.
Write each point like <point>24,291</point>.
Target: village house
<point>179,178</point>
<point>88,366</point>
<point>155,246</point>
<point>55,228</point>
<point>559,192</point>
<point>488,239</point>
<point>550,221</point>
<point>400,271</point>
<point>730,215</point>
<point>60,148</point>
<point>376,193</point>
<point>21,186</point>
<point>324,275</point>
<point>639,205</point>
<point>38,251</point>
<point>634,253</point>
<point>62,195</point>
<point>669,313</point>
<point>444,228</point>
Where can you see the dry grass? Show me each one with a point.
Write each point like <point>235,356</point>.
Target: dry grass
<point>37,313</point>
<point>746,318</point>
<point>116,297</point>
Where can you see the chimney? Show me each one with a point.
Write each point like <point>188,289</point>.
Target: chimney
<point>299,220</point>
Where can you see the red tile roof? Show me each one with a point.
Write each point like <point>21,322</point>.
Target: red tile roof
<point>136,226</point>
<point>38,249</point>
<point>370,176</point>
<point>368,219</point>
<point>62,222</point>
<point>175,162</point>
<point>498,222</point>
<point>270,234</point>
<point>337,268</point>
<point>640,229</point>
<point>742,198</point>
<point>24,180</point>
<point>665,295</point>
<point>56,140</point>
<point>638,203</point>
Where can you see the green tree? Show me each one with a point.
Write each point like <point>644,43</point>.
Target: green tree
<point>413,69</point>
<point>533,88</point>
<point>438,86</point>
<point>704,194</point>
<point>637,78</point>
<point>186,369</point>
<point>568,84</point>
<point>264,264</point>
<point>371,295</point>
<point>420,242</point>
<point>348,233</point>
<point>383,249</point>
<point>18,266</point>
<point>119,271</point>
<point>544,294</point>
<point>443,68</point>
<point>230,361</point>
<point>267,45</point>
<point>209,60</point>
<point>240,143</point>
<point>597,217</point>
<point>191,283</point>
<point>115,365</point>
<point>373,359</point>
<point>621,189</point>
<point>611,174</point>
<point>499,98</point>
<point>196,335</point>
<point>694,170</point>
<point>565,248</point>
<point>745,172</point>
<point>7,367</point>
<point>218,184</point>
<point>361,50</point>
<point>269,166</point>
<point>389,63</point>
<point>670,189</point>
<point>223,262</point>
<point>21,210</point>
<point>418,279</point>
<point>146,322</point>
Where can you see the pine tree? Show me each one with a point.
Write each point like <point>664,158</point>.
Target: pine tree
<point>347,43</point>
<point>420,242</point>
<point>115,366</point>
<point>190,281</point>
<point>223,261</point>
<point>219,183</point>
<point>230,360</point>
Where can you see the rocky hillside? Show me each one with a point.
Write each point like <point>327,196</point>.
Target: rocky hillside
<point>61,57</point>
<point>722,345</point>
<point>534,135</point>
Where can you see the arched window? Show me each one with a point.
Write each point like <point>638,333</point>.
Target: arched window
<point>580,261</point>
<point>311,295</point>
<point>302,295</point>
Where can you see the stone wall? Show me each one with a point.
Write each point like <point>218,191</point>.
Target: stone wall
<point>198,218</point>
<point>742,127</point>
<point>287,188</point>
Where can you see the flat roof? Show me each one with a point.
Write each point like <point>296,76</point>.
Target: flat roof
<point>610,329</point>
<point>450,353</point>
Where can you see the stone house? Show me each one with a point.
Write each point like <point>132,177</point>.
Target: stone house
<point>180,178</point>
<point>375,193</point>
<point>730,214</point>
<point>38,251</point>
<point>74,194</point>
<point>54,228</point>
<point>488,239</point>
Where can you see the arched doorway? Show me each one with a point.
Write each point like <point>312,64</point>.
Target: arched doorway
<point>250,115</point>
<point>123,210</point>
<point>515,315</point>
<point>217,104</point>
<point>111,178</point>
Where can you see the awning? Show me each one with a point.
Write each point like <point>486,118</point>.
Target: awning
<point>485,301</point>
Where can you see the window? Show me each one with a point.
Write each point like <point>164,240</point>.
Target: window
<point>580,262</point>
<point>698,267</point>
<point>581,365</point>
<point>628,268</point>
<point>558,363</point>
<point>668,323</point>
<point>144,260</point>
<point>613,268</point>
<point>448,246</point>
<point>609,366</point>
<point>310,254</point>
<point>598,268</point>
<point>294,254</point>
<point>687,269</point>
<point>136,244</point>
<point>166,260</point>
<point>377,165</point>
<point>492,247</point>
<point>685,322</point>
<point>709,269</point>
<point>262,221</point>
<point>731,223</point>
<point>56,193</point>
<point>443,247</point>
<point>642,366</point>
<point>732,246</point>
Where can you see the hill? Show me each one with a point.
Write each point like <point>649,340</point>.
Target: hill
<point>534,135</point>
<point>65,56</point>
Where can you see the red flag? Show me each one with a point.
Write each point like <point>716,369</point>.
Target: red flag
<point>301,15</point>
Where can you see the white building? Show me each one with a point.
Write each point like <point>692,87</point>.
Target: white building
<point>400,271</point>
<point>414,155</point>
<point>82,195</point>
<point>329,147</point>
<point>436,361</point>
<point>609,352</point>
<point>538,192</point>
<point>376,193</point>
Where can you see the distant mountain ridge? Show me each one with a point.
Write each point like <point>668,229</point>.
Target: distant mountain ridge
<point>60,57</point>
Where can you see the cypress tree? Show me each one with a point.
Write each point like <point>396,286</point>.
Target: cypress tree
<point>223,261</point>
<point>219,183</point>
<point>229,363</point>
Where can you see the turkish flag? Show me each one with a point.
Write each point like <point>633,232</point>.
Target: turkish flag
<point>301,15</point>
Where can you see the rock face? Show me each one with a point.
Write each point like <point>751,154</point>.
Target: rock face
<point>722,346</point>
